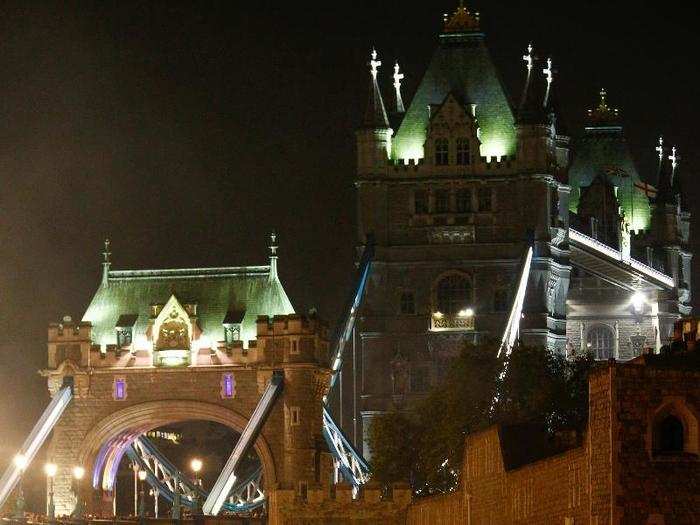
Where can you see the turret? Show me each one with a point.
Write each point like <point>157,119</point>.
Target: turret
<point>534,122</point>
<point>374,136</point>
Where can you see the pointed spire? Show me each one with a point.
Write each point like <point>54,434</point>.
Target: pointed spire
<point>604,114</point>
<point>398,77</point>
<point>106,263</point>
<point>273,256</point>
<point>461,21</point>
<point>665,176</point>
<point>549,77</point>
<point>375,116</point>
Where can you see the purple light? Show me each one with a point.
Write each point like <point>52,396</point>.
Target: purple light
<point>119,389</point>
<point>228,385</point>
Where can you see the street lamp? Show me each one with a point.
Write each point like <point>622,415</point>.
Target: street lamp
<point>196,466</point>
<point>135,467</point>
<point>20,461</point>
<point>78,474</point>
<point>142,505</point>
<point>50,469</point>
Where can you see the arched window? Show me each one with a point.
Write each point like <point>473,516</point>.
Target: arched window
<point>600,340</point>
<point>454,294</point>
<point>669,436</point>
<point>442,152</point>
<point>463,152</point>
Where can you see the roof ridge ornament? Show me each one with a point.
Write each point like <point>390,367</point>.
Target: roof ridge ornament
<point>604,114</point>
<point>273,256</point>
<point>529,59</point>
<point>660,149</point>
<point>374,64</point>
<point>674,157</point>
<point>461,21</point>
<point>398,77</point>
<point>549,77</point>
<point>106,263</point>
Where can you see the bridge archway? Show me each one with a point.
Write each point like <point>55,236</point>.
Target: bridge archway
<point>108,438</point>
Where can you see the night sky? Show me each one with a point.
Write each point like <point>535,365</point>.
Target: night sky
<point>186,132</point>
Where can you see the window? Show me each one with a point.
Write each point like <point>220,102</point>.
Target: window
<point>442,201</point>
<point>464,201</point>
<point>408,303</point>
<point>463,152</point>
<point>119,393</point>
<point>442,152</point>
<point>232,333</point>
<point>124,336</point>
<point>420,202</point>
<point>419,379</point>
<point>670,436</point>
<point>294,416</point>
<point>454,294</point>
<point>501,299</point>
<point>485,203</point>
<point>600,340</point>
<point>228,386</point>
<point>294,350</point>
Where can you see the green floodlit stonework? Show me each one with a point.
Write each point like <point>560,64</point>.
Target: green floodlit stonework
<point>216,291</point>
<point>604,152</point>
<point>461,65</point>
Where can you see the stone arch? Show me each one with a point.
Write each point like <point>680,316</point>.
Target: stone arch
<point>454,275</point>
<point>678,408</point>
<point>142,417</point>
<point>592,328</point>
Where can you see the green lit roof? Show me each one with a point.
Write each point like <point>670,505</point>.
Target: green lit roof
<point>216,291</point>
<point>461,65</point>
<point>603,151</point>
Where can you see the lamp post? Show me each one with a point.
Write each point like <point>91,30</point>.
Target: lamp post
<point>196,466</point>
<point>142,505</point>
<point>175,510</point>
<point>78,474</point>
<point>50,469</point>
<point>135,468</point>
<point>20,462</point>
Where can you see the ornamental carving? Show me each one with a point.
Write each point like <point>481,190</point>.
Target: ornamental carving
<point>452,235</point>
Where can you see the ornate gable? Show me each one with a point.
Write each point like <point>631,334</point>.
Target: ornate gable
<point>451,123</point>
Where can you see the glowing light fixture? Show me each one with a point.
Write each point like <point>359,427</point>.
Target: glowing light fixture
<point>466,312</point>
<point>50,469</point>
<point>438,315</point>
<point>20,461</point>
<point>142,475</point>
<point>78,472</point>
<point>196,465</point>
<point>638,301</point>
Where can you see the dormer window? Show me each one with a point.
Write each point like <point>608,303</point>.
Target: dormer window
<point>442,152</point>
<point>463,157</point>
<point>232,326</point>
<point>125,329</point>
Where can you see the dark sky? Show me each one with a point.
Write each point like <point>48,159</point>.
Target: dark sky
<point>185,132</point>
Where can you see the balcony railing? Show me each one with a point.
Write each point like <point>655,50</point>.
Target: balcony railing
<point>452,323</point>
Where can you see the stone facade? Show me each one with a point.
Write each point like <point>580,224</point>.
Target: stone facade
<point>96,419</point>
<point>620,474</point>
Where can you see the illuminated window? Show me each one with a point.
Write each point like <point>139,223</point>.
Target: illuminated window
<point>442,201</point>
<point>454,294</point>
<point>463,152</point>
<point>600,340</point>
<point>464,201</point>
<point>119,393</point>
<point>420,202</point>
<point>442,152</point>
<point>295,416</point>
<point>228,386</point>
<point>408,303</point>
<point>485,199</point>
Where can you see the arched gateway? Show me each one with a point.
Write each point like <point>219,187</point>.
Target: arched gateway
<point>165,346</point>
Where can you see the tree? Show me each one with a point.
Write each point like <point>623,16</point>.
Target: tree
<point>425,443</point>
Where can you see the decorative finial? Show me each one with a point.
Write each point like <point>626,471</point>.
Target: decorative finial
<point>603,113</point>
<point>660,149</point>
<point>398,77</point>
<point>548,72</point>
<point>528,58</point>
<point>674,158</point>
<point>273,256</point>
<point>106,263</point>
<point>461,21</point>
<point>374,64</point>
